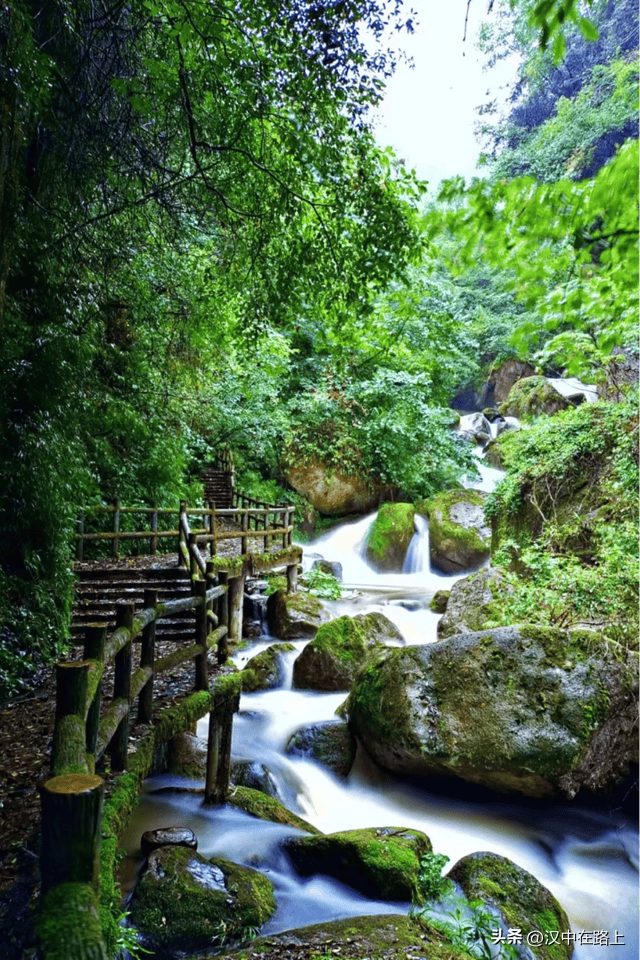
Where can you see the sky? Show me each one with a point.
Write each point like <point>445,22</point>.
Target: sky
<point>428,112</point>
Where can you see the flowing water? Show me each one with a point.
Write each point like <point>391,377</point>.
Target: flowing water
<point>586,855</point>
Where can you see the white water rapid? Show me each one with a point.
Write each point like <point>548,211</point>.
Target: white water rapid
<point>586,855</point>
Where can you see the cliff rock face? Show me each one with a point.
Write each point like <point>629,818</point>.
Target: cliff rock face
<point>525,709</point>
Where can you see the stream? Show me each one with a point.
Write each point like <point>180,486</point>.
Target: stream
<point>585,854</point>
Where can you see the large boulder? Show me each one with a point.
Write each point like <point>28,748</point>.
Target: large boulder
<point>265,671</point>
<point>531,398</point>
<point>459,538</point>
<point>473,603</point>
<point>389,537</point>
<point>502,378</point>
<point>332,660</point>
<point>476,428</point>
<point>183,901</point>
<point>292,616</point>
<point>522,900</point>
<point>186,756</point>
<point>381,862</point>
<point>250,773</point>
<point>526,709</point>
<point>332,491</point>
<point>329,742</point>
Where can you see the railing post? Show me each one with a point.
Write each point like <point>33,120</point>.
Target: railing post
<point>70,732</point>
<point>223,617</point>
<point>244,526</point>
<point>284,528</point>
<point>181,534</point>
<point>211,508</point>
<point>265,539</point>
<point>116,528</point>
<point>193,565</point>
<point>214,531</point>
<point>80,541</point>
<point>154,528</point>
<point>202,628</point>
<point>147,657</point>
<point>292,578</point>
<point>291,512</point>
<point>94,640</point>
<point>122,688</point>
<point>70,827</point>
<point>236,599</point>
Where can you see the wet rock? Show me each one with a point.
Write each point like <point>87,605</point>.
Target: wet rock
<point>532,397</point>
<point>525,709</point>
<point>502,378</point>
<point>331,661</point>
<point>258,804</point>
<point>459,537</point>
<point>250,773</point>
<point>439,601</point>
<point>187,756</point>
<point>389,537</point>
<point>329,743</point>
<point>265,671</point>
<point>474,603</point>
<point>167,837</point>
<point>329,566</point>
<point>292,616</point>
<point>476,427</point>
<point>184,901</point>
<point>525,904</point>
<point>381,862</point>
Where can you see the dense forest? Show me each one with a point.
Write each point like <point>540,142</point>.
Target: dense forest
<point>203,246</point>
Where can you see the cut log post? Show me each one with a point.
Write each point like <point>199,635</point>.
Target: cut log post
<point>71,818</point>
<point>122,688</point>
<point>284,528</point>
<point>292,578</point>
<point>213,759</point>
<point>116,528</point>
<point>69,751</point>
<point>80,539</point>
<point>244,525</point>
<point>202,628</point>
<point>223,618</point>
<point>147,658</point>
<point>236,599</point>
<point>94,641</point>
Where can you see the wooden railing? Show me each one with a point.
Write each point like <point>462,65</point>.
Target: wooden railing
<point>252,517</point>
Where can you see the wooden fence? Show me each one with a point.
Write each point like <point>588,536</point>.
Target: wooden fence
<point>247,518</point>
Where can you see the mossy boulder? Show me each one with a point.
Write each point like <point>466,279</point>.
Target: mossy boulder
<point>332,491</point>
<point>292,616</point>
<point>183,901</point>
<point>439,601</point>
<point>533,397</point>
<point>459,537</point>
<point>187,756</point>
<point>258,804</point>
<point>381,862</point>
<point>523,901</point>
<point>332,660</point>
<point>392,936</point>
<point>474,603</point>
<point>532,710</point>
<point>265,671</point>
<point>330,743</point>
<point>389,537</point>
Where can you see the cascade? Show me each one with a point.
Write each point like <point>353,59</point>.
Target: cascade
<point>418,559</point>
<point>587,857</point>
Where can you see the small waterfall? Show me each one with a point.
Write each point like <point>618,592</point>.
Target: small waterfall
<point>418,559</point>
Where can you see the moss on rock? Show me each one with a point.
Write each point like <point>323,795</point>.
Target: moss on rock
<point>389,537</point>
<point>524,902</point>
<point>330,743</point>
<point>459,538</point>
<point>259,805</point>
<point>381,862</point>
<point>184,901</point>
<point>265,670</point>
<point>532,397</point>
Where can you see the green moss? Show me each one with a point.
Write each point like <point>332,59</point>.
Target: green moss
<point>263,671</point>
<point>390,535</point>
<point>259,805</point>
<point>446,533</point>
<point>343,638</point>
<point>69,924</point>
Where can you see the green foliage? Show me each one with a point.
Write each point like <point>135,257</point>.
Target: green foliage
<point>322,584</point>
<point>430,880</point>
<point>469,925</point>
